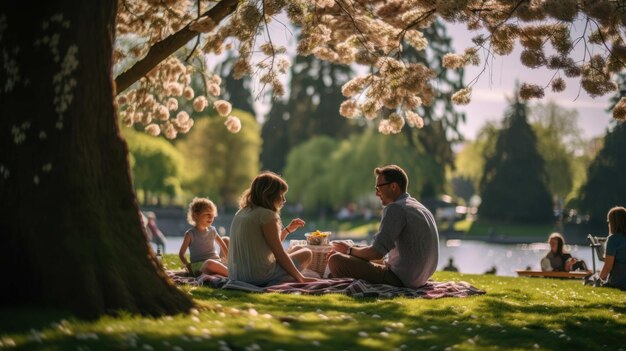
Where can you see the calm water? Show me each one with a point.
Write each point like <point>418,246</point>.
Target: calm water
<point>477,257</point>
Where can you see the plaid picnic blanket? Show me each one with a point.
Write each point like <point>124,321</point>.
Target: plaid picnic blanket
<point>350,287</point>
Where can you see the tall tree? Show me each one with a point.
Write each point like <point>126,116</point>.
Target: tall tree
<point>237,91</point>
<point>470,161</point>
<point>514,184</point>
<point>220,164</point>
<point>51,143</point>
<point>441,117</point>
<point>275,134</point>
<point>605,185</point>
<point>559,142</point>
<point>156,165</point>
<point>310,110</point>
<point>70,224</point>
<point>309,172</point>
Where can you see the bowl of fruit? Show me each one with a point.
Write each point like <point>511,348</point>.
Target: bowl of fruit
<point>317,238</point>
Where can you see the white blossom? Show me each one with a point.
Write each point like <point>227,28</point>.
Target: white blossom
<point>200,103</point>
<point>223,107</point>
<point>233,124</point>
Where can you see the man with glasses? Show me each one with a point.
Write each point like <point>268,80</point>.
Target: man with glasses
<point>407,233</point>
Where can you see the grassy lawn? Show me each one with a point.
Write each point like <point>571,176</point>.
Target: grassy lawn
<point>515,314</point>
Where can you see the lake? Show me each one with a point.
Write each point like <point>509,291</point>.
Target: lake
<point>477,257</point>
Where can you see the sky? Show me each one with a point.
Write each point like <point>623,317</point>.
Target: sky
<point>493,86</point>
<point>497,82</point>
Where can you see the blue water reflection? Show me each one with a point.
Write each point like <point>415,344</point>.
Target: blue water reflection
<point>477,257</point>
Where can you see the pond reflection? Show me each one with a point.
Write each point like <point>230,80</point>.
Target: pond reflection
<point>477,257</point>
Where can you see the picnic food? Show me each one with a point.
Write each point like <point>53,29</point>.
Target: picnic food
<point>317,238</point>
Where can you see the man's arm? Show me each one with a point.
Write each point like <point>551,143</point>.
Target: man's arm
<point>391,225</point>
<point>367,253</point>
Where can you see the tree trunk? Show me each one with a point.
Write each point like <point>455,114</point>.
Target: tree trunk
<point>69,225</point>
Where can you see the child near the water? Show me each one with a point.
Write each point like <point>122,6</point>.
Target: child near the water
<point>201,238</point>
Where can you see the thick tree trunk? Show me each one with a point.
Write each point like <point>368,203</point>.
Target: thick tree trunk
<point>69,226</point>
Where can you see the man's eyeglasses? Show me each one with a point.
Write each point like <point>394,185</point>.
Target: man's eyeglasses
<point>378,186</point>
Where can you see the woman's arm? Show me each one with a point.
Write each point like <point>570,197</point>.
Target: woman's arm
<point>183,251</point>
<point>608,266</point>
<point>272,237</point>
<point>293,226</point>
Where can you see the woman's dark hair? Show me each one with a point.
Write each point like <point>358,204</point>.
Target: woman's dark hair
<point>617,220</point>
<point>394,174</point>
<point>560,242</point>
<point>264,191</point>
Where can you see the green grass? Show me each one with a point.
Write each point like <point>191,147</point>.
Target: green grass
<point>515,314</point>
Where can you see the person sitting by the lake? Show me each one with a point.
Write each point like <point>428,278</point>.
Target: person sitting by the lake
<point>615,255</point>
<point>557,260</point>
<point>154,233</point>
<point>201,238</point>
<point>407,233</point>
<point>450,267</point>
<point>256,254</point>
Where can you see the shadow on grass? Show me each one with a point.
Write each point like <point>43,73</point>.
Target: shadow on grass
<point>515,314</point>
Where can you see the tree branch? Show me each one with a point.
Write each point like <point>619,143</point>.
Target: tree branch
<point>161,50</point>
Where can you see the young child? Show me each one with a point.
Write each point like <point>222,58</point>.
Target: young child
<point>201,240</point>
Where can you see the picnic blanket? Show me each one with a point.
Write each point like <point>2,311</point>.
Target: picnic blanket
<point>346,286</point>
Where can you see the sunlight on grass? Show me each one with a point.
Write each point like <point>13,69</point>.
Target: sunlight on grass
<point>515,314</point>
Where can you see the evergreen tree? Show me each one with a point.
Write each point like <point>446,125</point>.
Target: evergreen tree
<point>275,137</point>
<point>605,185</point>
<point>514,184</point>
<point>237,91</point>
<point>311,110</point>
<point>441,119</point>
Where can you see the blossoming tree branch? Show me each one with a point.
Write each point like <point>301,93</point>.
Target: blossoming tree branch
<point>370,33</point>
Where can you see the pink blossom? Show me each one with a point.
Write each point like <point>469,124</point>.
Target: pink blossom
<point>223,107</point>
<point>200,103</point>
<point>153,129</point>
<point>172,104</point>
<point>214,89</point>
<point>162,113</point>
<point>233,124</point>
<point>413,119</point>
<point>182,117</point>
<point>188,93</point>
<point>349,109</point>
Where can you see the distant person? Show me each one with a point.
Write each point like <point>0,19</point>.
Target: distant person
<point>557,260</point>
<point>450,267</point>
<point>156,236</point>
<point>200,240</point>
<point>407,233</point>
<point>256,254</point>
<point>615,256</point>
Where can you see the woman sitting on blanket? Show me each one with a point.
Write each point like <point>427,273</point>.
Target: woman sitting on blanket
<point>559,261</point>
<point>615,256</point>
<point>256,254</point>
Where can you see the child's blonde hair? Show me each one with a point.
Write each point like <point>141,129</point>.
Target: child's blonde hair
<point>197,205</point>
